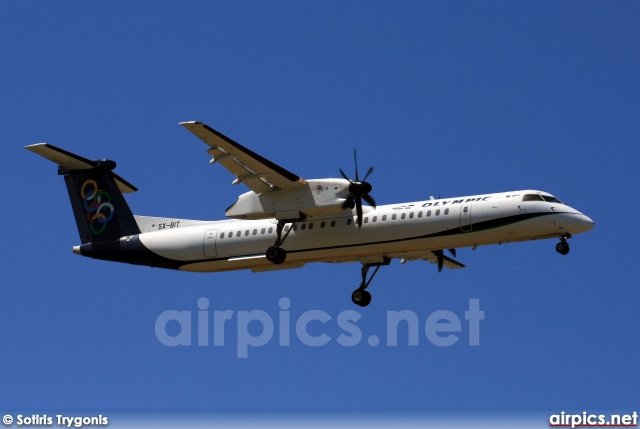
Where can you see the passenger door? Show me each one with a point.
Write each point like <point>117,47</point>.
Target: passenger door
<point>465,217</point>
<point>209,244</point>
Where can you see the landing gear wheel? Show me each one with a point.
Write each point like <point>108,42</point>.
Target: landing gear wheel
<point>562,248</point>
<point>276,255</point>
<point>361,297</point>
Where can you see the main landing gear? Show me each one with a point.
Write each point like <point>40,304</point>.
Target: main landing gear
<point>275,253</point>
<point>563,247</point>
<point>361,296</point>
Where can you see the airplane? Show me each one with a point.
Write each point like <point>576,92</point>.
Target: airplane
<point>285,221</point>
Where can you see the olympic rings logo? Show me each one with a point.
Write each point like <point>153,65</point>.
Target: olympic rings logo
<point>98,205</point>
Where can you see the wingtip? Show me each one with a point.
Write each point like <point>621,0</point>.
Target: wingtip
<point>34,146</point>
<point>185,123</point>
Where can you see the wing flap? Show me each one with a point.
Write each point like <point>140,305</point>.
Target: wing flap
<point>258,173</point>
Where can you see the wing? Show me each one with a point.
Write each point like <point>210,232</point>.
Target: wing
<point>258,173</point>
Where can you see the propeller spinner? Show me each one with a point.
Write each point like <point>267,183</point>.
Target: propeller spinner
<point>358,191</point>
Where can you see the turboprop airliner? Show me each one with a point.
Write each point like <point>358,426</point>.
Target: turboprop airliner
<point>285,221</point>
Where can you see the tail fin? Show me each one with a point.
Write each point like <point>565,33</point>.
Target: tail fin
<point>95,191</point>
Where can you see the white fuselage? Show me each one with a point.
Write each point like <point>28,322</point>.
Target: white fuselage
<point>392,231</point>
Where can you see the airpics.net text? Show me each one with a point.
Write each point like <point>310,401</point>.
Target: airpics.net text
<point>256,328</point>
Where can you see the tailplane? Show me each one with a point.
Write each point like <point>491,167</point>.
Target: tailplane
<point>95,191</point>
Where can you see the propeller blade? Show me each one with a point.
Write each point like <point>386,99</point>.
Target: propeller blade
<point>344,175</point>
<point>440,256</point>
<point>358,190</point>
<point>355,160</point>
<point>368,172</point>
<point>369,199</point>
<point>453,252</point>
<point>348,204</point>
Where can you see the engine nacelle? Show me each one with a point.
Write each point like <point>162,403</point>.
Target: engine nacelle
<point>317,198</point>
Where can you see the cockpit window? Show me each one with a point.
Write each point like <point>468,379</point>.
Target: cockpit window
<point>532,197</point>
<point>551,199</point>
<point>538,197</point>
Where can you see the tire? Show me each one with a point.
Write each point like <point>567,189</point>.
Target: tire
<point>366,299</point>
<point>356,296</point>
<point>282,255</point>
<point>276,255</point>
<point>361,297</point>
<point>562,248</point>
<point>272,253</point>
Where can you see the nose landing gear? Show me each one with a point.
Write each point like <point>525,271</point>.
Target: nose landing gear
<point>563,247</point>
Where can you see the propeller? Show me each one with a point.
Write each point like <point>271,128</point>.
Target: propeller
<point>440,255</point>
<point>358,191</point>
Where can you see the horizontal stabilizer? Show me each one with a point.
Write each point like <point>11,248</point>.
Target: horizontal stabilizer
<point>446,261</point>
<point>71,161</point>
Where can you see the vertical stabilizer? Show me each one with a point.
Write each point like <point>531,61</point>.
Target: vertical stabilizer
<point>95,191</point>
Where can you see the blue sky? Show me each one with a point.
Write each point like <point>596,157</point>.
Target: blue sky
<point>443,98</point>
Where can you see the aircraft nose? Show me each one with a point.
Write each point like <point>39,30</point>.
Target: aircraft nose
<point>586,222</point>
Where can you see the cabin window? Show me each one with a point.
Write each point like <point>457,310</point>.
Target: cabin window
<point>374,219</point>
<point>532,197</point>
<point>419,214</point>
<point>404,215</point>
<point>286,228</point>
<point>446,211</point>
<point>428,213</point>
<point>311,225</point>
<point>222,235</point>
<point>393,217</point>
<point>438,212</point>
<point>465,209</point>
<point>295,227</point>
<point>333,223</point>
<point>322,224</point>
<point>411,215</point>
<point>230,234</point>
<point>366,220</point>
<point>349,221</point>
<point>238,233</point>
<point>270,230</point>
<point>255,232</point>
<point>384,218</point>
<point>303,226</point>
<point>262,231</point>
